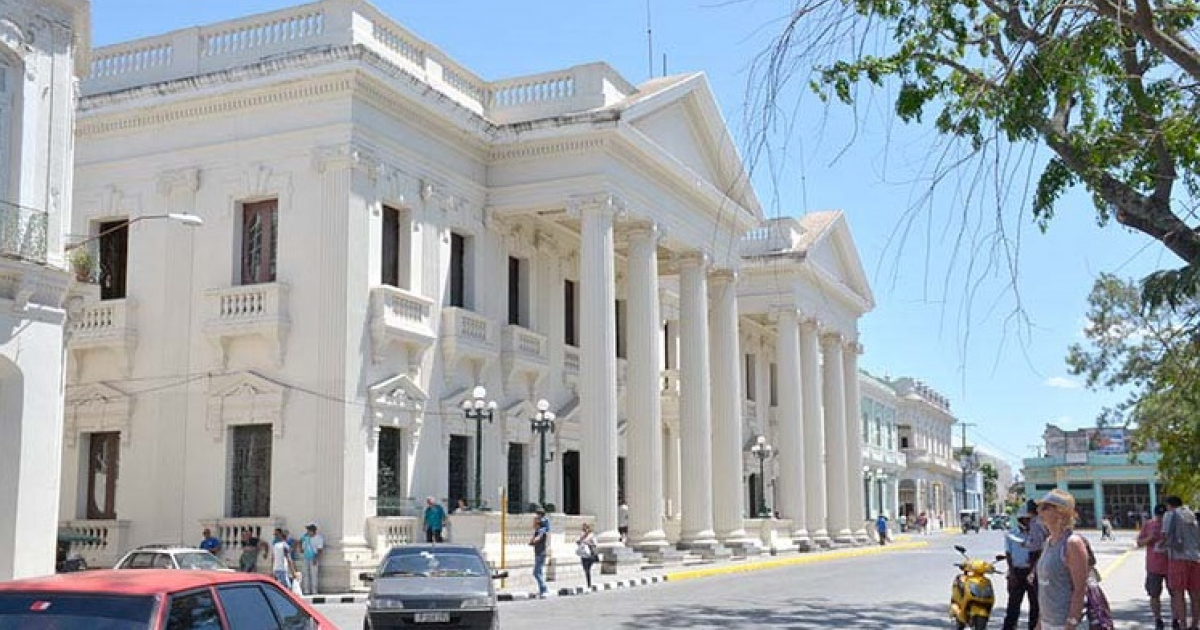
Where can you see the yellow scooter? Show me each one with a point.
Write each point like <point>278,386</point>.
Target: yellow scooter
<point>971,596</point>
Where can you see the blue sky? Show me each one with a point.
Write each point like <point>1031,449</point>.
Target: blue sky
<point>942,314</point>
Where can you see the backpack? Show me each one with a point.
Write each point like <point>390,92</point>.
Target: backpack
<point>1095,605</point>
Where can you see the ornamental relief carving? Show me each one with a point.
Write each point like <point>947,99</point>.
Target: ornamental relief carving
<point>245,398</point>
<point>14,40</point>
<point>95,408</point>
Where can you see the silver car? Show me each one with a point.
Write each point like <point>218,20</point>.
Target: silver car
<point>447,586</point>
<point>163,557</point>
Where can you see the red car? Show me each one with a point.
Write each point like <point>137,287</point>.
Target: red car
<point>154,599</point>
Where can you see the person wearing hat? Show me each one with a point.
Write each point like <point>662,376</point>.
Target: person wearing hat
<point>1062,570</point>
<point>312,544</point>
<point>1020,564</point>
<point>540,541</point>
<point>1150,537</point>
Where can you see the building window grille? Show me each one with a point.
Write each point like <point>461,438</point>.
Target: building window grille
<point>260,227</point>
<point>250,471</point>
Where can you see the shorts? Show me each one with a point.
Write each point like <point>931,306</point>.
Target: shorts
<point>1183,575</point>
<point>1154,584</point>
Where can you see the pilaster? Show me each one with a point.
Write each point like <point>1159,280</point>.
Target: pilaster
<point>835,438</point>
<point>791,432</point>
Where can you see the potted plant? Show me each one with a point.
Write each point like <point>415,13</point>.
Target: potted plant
<point>83,264</point>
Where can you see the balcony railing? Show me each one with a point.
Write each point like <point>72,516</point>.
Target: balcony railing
<point>400,316</point>
<point>23,232</point>
<point>106,323</point>
<point>253,309</point>
<point>229,531</point>
<point>102,542</point>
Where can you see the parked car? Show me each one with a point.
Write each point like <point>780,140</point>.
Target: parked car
<point>999,521</point>
<point>154,599</point>
<point>447,586</point>
<point>164,557</point>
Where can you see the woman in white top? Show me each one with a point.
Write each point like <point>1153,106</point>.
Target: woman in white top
<point>585,548</point>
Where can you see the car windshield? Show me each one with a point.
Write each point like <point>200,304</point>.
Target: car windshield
<point>34,611</point>
<point>199,560</point>
<point>434,564</point>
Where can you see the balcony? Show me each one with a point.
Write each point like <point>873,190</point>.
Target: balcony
<point>467,336</point>
<point>401,318</point>
<point>104,325</point>
<point>102,543</point>
<point>242,312</point>
<point>23,233</point>
<point>524,357</point>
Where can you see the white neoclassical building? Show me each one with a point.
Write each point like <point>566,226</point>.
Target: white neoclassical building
<point>883,460</point>
<point>384,231</point>
<point>42,42</point>
<point>930,482</point>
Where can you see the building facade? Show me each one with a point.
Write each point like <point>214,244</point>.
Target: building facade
<point>383,232</point>
<point>42,42</point>
<point>932,478</point>
<point>1094,465</point>
<point>883,460</point>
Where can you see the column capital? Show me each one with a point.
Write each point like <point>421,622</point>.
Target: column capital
<point>722,276</point>
<point>694,258</point>
<point>777,312</point>
<point>346,156</point>
<point>810,324</point>
<point>601,202</point>
<point>853,346</point>
<point>831,338</point>
<point>644,229</point>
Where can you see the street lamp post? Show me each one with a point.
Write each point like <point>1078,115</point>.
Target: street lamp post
<point>542,422</point>
<point>478,409</point>
<point>762,451</point>
<point>189,220</point>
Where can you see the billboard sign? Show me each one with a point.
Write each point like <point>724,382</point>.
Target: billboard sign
<point>1108,441</point>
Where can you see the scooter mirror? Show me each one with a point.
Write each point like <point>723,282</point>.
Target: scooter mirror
<point>1001,557</point>
<point>960,549</point>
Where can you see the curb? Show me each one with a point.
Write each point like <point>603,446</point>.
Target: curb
<point>356,598</point>
<point>568,591</point>
<point>784,562</point>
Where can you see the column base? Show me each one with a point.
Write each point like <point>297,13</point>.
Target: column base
<point>820,538</point>
<point>341,566</point>
<point>744,547</point>
<point>707,549</point>
<point>802,540</point>
<point>655,538</point>
<point>843,537</point>
<point>662,553</point>
<point>619,560</point>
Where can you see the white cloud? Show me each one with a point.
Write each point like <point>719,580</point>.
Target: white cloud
<point>1062,382</point>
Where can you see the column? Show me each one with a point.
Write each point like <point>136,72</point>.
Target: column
<point>817,508</point>
<point>854,440</point>
<point>837,482</point>
<point>727,411</point>
<point>1153,496</point>
<point>671,473</point>
<point>644,433</point>
<point>598,366</point>
<point>1101,511</point>
<point>791,436</point>
<point>695,420</point>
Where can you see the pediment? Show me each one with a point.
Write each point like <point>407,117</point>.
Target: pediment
<point>399,392</point>
<point>245,398</point>
<point>93,394</point>
<point>829,247</point>
<point>94,408</point>
<point>681,116</point>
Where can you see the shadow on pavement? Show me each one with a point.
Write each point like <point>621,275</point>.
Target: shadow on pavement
<point>809,613</point>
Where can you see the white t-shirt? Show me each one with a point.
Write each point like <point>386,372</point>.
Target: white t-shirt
<point>279,555</point>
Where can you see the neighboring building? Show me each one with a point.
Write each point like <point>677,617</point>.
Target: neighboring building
<point>883,460</point>
<point>42,43</point>
<point>384,231</point>
<point>1004,479</point>
<point>1094,465</point>
<point>932,478</point>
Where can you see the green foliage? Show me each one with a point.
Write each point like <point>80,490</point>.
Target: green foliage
<point>1151,349</point>
<point>990,478</point>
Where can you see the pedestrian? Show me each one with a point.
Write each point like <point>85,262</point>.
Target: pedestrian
<point>1020,567</point>
<point>281,559</point>
<point>434,520</point>
<point>623,520</point>
<point>1151,538</point>
<point>1062,570</point>
<point>585,548</point>
<point>462,506</point>
<point>251,547</point>
<point>540,541</point>
<point>1181,538</point>
<point>312,544</point>
<point>210,543</point>
<point>1106,528</point>
<point>881,528</point>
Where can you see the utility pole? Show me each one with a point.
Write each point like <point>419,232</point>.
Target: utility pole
<point>965,461</point>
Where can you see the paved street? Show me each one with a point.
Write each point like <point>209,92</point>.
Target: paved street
<point>903,589</point>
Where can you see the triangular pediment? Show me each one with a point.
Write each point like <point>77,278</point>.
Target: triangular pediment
<point>829,247</point>
<point>398,391</point>
<point>681,117</point>
<point>245,384</point>
<point>94,393</point>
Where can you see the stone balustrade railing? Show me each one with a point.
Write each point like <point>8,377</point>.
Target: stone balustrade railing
<point>229,531</point>
<point>250,303</point>
<point>777,235</point>
<point>100,543</point>
<point>339,23</point>
<point>384,532</point>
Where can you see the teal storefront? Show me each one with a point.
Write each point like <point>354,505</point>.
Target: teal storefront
<point>1103,484</point>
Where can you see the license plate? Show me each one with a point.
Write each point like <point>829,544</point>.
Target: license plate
<point>433,617</point>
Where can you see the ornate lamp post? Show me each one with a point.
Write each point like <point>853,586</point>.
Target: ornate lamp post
<point>762,451</point>
<point>542,422</point>
<point>478,409</point>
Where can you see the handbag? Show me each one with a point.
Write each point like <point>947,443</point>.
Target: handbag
<point>1095,605</point>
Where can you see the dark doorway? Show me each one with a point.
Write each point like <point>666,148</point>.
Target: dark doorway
<point>516,478</point>
<point>621,496</point>
<point>756,506</point>
<point>570,471</point>
<point>458,470</point>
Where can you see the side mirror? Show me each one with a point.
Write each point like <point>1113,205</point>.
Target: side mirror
<point>960,549</point>
<point>1001,558</point>
<point>367,577</point>
<point>499,575</point>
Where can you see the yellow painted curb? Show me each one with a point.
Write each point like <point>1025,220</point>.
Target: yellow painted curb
<point>785,562</point>
<point>1108,570</point>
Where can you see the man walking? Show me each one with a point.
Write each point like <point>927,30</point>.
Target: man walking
<point>434,520</point>
<point>881,528</point>
<point>312,545</point>
<point>281,559</point>
<point>1181,537</point>
<point>1151,538</point>
<point>1020,565</point>
<point>540,542</point>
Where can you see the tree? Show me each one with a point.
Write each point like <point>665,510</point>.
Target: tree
<point>990,478</point>
<point>1152,350</point>
<point>1109,87</point>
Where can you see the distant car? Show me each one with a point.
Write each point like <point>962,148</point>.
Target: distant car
<point>999,521</point>
<point>155,599</point>
<point>432,586</point>
<point>162,557</point>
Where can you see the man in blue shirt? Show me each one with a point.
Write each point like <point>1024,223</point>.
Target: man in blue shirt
<point>1020,563</point>
<point>211,543</point>
<point>434,520</point>
<point>540,542</point>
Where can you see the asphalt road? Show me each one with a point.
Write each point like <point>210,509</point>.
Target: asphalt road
<point>900,590</point>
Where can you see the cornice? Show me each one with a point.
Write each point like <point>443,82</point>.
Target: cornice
<point>553,148</point>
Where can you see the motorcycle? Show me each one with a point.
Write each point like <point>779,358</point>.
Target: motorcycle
<point>971,595</point>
